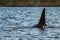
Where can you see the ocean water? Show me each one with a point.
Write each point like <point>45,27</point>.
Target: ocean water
<point>21,16</point>
<point>53,16</point>
<point>13,18</point>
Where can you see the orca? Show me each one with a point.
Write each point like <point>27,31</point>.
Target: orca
<point>42,23</point>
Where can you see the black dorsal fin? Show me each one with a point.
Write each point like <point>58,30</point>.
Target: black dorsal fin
<point>42,20</point>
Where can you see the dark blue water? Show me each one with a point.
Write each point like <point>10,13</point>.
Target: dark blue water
<point>21,16</point>
<point>12,18</point>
